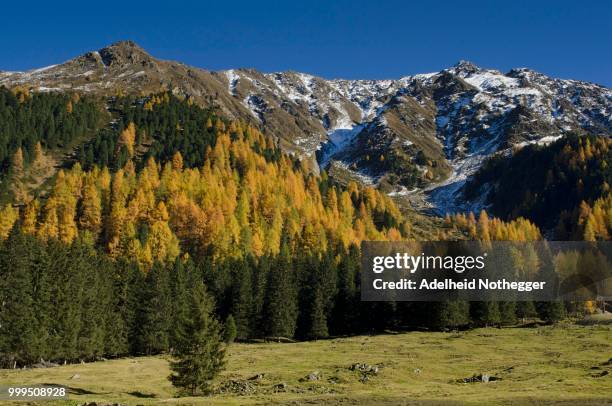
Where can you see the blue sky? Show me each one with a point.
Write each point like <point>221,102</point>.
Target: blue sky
<point>348,39</point>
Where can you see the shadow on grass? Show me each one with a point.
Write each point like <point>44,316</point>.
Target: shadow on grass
<point>139,394</point>
<point>72,390</point>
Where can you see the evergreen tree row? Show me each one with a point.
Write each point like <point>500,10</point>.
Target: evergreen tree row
<point>68,303</point>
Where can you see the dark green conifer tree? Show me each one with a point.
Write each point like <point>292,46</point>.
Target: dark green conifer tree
<point>242,299</point>
<point>200,355</point>
<point>18,324</point>
<point>229,330</point>
<point>449,314</point>
<point>344,314</point>
<point>485,313</point>
<point>155,314</point>
<point>281,297</point>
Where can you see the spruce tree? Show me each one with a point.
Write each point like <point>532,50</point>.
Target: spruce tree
<point>261,269</point>
<point>281,297</point>
<point>179,288</point>
<point>115,312</point>
<point>525,310</point>
<point>344,315</point>
<point>242,299</point>
<point>155,312</point>
<point>94,306</point>
<point>485,313</point>
<point>507,312</point>
<point>200,355</point>
<point>551,312</point>
<point>449,314</point>
<point>67,292</point>
<point>317,316</point>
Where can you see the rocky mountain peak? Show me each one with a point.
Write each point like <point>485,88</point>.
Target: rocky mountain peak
<point>464,68</point>
<point>124,53</point>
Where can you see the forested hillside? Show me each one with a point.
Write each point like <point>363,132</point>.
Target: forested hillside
<point>548,184</point>
<point>55,120</point>
<point>156,126</point>
<point>105,260</point>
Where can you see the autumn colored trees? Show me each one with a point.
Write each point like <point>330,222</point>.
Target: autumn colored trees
<point>238,203</point>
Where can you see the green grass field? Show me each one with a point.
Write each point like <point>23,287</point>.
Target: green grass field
<point>555,364</point>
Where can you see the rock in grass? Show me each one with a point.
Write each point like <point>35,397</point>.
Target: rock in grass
<point>280,387</point>
<point>484,378</point>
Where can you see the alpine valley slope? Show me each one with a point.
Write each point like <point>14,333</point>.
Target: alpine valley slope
<point>419,136</point>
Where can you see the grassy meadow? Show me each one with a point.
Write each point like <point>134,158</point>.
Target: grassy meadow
<point>565,364</point>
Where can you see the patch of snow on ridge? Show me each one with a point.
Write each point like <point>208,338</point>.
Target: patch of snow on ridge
<point>232,79</point>
<point>549,139</point>
<point>403,191</point>
<point>256,106</point>
<point>362,177</point>
<point>338,140</point>
<point>486,80</point>
<point>39,70</point>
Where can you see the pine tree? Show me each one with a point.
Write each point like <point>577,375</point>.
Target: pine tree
<point>200,356</point>
<point>229,330</point>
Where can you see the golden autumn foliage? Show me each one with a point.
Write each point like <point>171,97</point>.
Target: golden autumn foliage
<point>237,203</point>
<point>595,223</point>
<point>127,138</point>
<point>494,229</point>
<point>8,217</point>
<point>18,162</point>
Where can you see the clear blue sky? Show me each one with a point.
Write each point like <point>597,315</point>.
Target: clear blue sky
<point>349,39</point>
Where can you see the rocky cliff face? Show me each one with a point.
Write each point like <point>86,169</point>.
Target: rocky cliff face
<point>426,132</point>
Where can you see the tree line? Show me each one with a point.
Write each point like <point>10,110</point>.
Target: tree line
<point>67,303</point>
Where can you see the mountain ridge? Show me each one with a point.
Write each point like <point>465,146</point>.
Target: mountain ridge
<point>418,136</point>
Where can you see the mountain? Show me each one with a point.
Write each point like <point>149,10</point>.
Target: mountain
<point>418,137</point>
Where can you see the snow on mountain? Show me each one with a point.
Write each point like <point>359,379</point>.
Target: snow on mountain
<point>425,133</point>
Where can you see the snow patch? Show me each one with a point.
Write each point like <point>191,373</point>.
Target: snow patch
<point>232,79</point>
